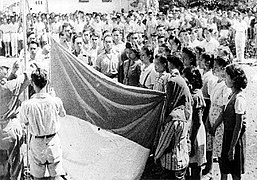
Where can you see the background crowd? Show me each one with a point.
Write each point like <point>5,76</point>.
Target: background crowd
<point>189,54</point>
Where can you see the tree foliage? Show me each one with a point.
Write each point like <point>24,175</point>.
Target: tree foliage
<point>210,4</point>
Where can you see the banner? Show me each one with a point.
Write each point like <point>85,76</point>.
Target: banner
<point>119,121</point>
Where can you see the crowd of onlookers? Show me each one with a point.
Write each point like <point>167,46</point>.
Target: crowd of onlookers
<point>189,54</point>
<point>225,27</point>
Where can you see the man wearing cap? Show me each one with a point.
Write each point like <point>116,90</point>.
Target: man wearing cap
<point>10,127</point>
<point>41,115</point>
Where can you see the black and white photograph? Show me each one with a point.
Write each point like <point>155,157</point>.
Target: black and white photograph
<point>128,90</point>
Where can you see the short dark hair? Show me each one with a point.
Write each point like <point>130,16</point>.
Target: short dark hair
<point>176,41</point>
<point>149,50</point>
<point>163,60</point>
<point>237,75</point>
<point>133,46</point>
<point>200,49</point>
<point>222,61</point>
<point>194,77</point>
<point>191,54</point>
<point>116,29</point>
<point>39,78</point>
<point>206,29</point>
<point>167,49</point>
<point>75,37</point>
<point>33,42</point>
<point>208,58</point>
<point>177,62</point>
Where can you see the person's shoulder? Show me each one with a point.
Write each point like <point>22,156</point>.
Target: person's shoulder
<point>28,103</point>
<point>138,63</point>
<point>198,98</point>
<point>177,80</point>
<point>101,55</point>
<point>241,95</point>
<point>126,62</point>
<point>56,99</point>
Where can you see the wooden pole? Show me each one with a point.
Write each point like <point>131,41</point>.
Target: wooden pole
<point>24,26</point>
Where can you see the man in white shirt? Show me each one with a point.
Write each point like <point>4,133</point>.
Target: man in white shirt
<point>209,43</point>
<point>108,61</point>
<point>240,27</point>
<point>41,115</point>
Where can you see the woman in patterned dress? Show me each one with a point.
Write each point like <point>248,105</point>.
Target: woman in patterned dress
<point>197,132</point>
<point>218,95</point>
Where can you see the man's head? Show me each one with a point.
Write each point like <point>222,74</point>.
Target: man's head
<point>116,34</point>
<point>39,78</point>
<point>86,35</point>
<point>66,28</point>
<point>77,41</point>
<point>33,47</point>
<point>108,42</point>
<point>31,37</point>
<point>135,38</point>
<point>95,39</point>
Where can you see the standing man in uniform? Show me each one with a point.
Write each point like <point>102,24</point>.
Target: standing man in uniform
<point>41,115</point>
<point>10,128</point>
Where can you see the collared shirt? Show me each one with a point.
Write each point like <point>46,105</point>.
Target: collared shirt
<point>209,81</point>
<point>41,112</point>
<point>210,46</point>
<point>9,92</point>
<point>108,63</point>
<point>147,76</point>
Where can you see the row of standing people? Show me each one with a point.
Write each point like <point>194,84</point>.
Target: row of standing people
<point>145,69</point>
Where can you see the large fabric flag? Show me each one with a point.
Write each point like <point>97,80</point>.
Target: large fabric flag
<point>110,127</point>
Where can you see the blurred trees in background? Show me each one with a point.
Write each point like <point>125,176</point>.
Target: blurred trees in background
<point>210,4</point>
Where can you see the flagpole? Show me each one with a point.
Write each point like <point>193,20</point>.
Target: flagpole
<point>24,24</point>
<point>49,37</point>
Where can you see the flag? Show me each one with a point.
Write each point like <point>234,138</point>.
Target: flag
<point>111,127</point>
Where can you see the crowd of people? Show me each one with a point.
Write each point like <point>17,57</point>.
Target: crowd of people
<point>190,54</point>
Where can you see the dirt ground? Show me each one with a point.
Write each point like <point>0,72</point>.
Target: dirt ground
<point>251,132</point>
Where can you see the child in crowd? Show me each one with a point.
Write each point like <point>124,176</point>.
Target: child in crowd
<point>218,95</point>
<point>234,138</point>
<point>161,67</point>
<point>197,132</point>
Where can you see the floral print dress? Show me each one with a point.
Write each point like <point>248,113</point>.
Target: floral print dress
<point>219,96</point>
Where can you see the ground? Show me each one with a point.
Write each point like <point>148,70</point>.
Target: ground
<point>251,95</point>
<point>251,132</point>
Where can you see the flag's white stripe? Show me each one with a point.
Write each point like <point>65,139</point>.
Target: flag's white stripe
<point>90,153</point>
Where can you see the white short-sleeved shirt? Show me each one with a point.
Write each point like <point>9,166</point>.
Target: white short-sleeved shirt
<point>148,76</point>
<point>240,104</point>
<point>41,112</point>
